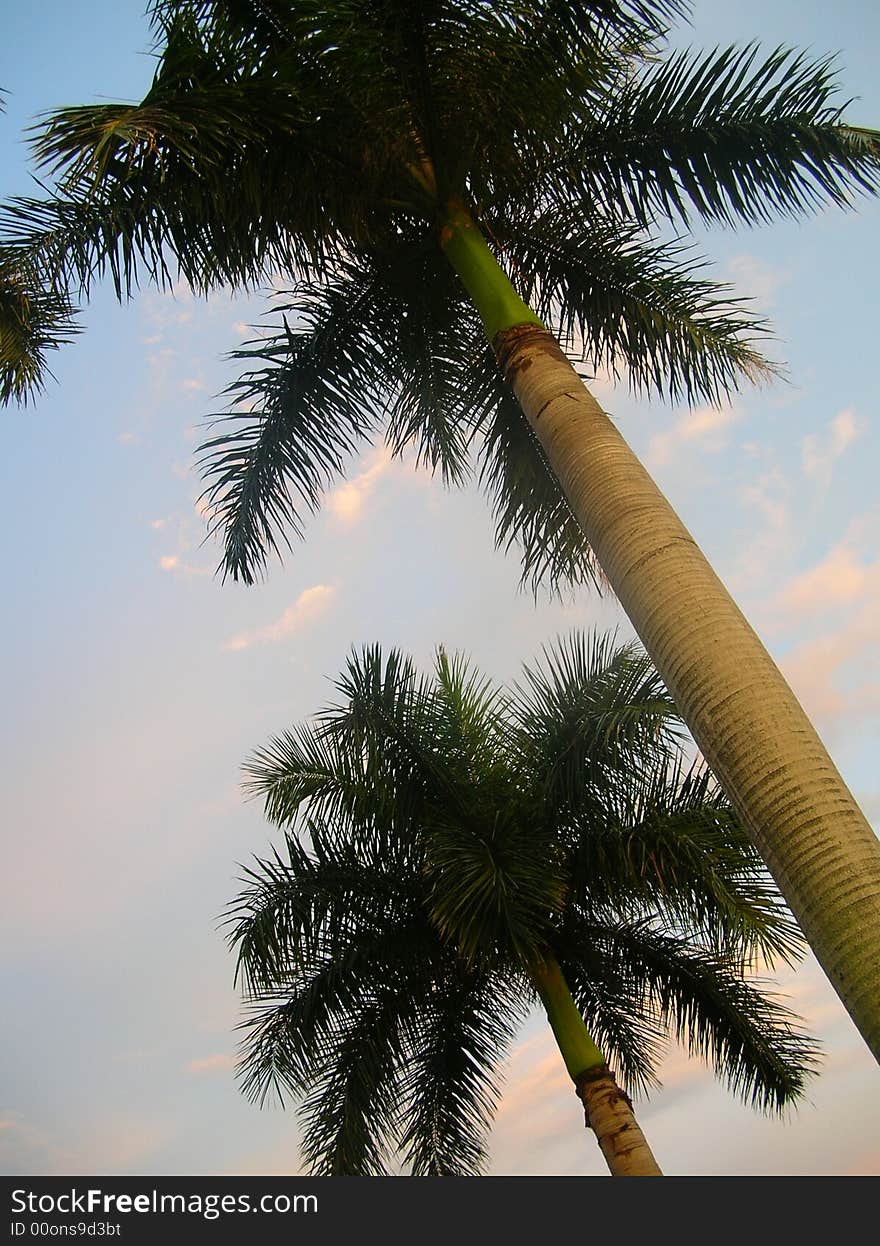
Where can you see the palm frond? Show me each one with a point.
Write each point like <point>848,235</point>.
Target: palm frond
<point>590,713</point>
<point>320,388</point>
<point>33,321</point>
<point>352,1111</point>
<point>470,713</point>
<point>613,1010</point>
<point>633,307</point>
<point>316,904</point>
<point>531,511</point>
<point>495,879</point>
<point>726,134</point>
<point>669,843</point>
<point>460,1038</point>
<point>755,1045</point>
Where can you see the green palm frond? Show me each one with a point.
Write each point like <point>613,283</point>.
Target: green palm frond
<point>725,134</point>
<point>471,713</point>
<point>352,1113</point>
<point>459,1040</point>
<point>316,903</point>
<point>592,710</point>
<point>668,843</point>
<point>287,1028</point>
<point>495,880</point>
<point>754,1044</point>
<point>313,395</point>
<point>33,321</point>
<point>390,715</point>
<point>222,135</point>
<point>633,1040</point>
<point>299,772</point>
<point>633,307</point>
<point>322,939</point>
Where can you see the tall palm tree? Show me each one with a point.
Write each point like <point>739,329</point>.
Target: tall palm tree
<point>455,853</point>
<point>384,154</point>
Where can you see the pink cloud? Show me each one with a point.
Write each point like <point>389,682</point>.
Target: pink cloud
<point>218,1063</point>
<point>704,428</point>
<point>348,501</point>
<point>840,579</point>
<point>819,453</point>
<point>834,667</point>
<point>309,606</point>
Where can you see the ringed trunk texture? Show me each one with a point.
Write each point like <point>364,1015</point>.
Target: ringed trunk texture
<point>609,1114</point>
<point>741,712</point>
<point>607,1109</point>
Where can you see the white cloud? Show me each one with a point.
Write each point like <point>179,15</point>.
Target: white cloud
<point>755,279</point>
<point>762,546</point>
<point>308,607</point>
<point>819,453</point>
<point>169,562</point>
<point>705,428</point>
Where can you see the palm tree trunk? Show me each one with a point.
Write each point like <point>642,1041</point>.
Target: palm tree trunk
<point>607,1109</point>
<point>744,717</point>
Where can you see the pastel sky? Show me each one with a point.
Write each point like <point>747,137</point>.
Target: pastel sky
<point>135,684</point>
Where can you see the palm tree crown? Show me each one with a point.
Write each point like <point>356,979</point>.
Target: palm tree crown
<point>445,839</point>
<point>329,143</point>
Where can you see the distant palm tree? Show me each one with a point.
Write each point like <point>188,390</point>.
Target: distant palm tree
<point>380,153</point>
<point>455,852</point>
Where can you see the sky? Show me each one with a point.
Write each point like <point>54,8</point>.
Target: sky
<point>135,684</point>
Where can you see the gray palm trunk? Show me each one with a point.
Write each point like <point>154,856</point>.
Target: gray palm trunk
<point>746,720</point>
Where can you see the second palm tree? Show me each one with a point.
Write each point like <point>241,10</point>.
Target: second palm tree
<point>456,853</point>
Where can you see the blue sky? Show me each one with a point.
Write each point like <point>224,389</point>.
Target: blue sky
<point>135,684</point>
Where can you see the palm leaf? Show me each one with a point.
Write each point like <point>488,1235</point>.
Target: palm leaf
<point>753,1043</point>
<point>724,134</point>
<point>318,387</point>
<point>632,307</point>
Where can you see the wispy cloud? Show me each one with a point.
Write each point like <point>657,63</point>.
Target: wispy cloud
<point>169,562</point>
<point>218,1063</point>
<point>347,503</point>
<point>840,579</point>
<point>819,452</point>
<point>309,606</point>
<point>835,668</point>
<point>755,279</point>
<point>705,429</point>
<point>769,497</point>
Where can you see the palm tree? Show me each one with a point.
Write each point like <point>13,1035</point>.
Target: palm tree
<point>455,852</point>
<point>384,154</point>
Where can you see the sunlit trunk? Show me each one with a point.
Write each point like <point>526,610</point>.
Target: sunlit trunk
<point>607,1109</point>
<point>746,720</point>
